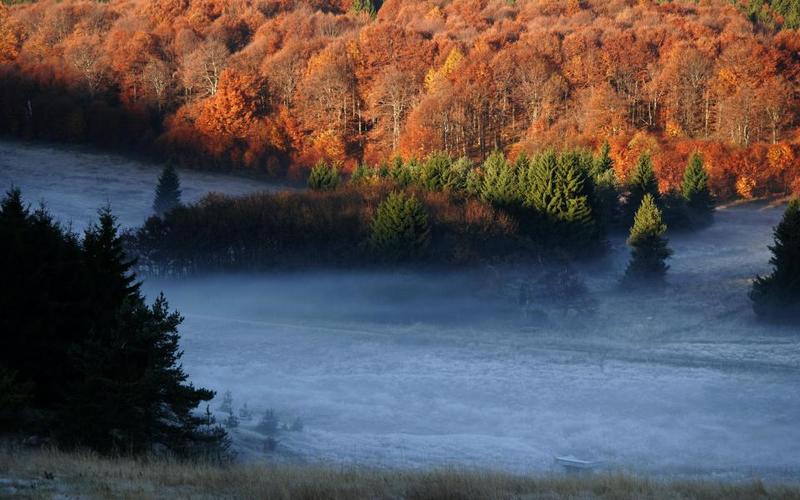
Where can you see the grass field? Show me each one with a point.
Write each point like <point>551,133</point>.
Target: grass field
<point>54,474</point>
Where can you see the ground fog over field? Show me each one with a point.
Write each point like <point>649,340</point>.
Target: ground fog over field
<point>427,370</point>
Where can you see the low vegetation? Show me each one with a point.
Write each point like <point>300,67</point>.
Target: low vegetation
<point>45,473</point>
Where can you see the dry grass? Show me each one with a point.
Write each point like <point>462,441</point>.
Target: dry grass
<point>48,473</point>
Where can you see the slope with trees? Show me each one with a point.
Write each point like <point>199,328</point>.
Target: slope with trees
<point>276,86</point>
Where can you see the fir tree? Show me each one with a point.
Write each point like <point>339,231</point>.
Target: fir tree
<point>776,296</point>
<point>360,175</point>
<point>168,191</point>
<point>324,177</point>
<point>400,229</point>
<point>602,162</point>
<point>456,177</point>
<point>367,6</point>
<point>540,182</point>
<point>695,189</point>
<point>649,246</point>
<point>433,174</point>
<point>499,180</point>
<point>642,182</point>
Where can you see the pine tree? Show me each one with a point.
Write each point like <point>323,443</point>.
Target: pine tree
<point>650,249</point>
<point>400,229</point>
<point>776,296</point>
<point>695,189</point>
<point>324,177</point>
<point>168,191</point>
<point>642,182</point>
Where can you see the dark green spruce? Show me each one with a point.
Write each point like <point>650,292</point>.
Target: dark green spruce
<point>168,191</point>
<point>776,297</point>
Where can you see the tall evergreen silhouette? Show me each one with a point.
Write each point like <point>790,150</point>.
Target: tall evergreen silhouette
<point>777,295</point>
<point>168,191</point>
<point>649,247</point>
<point>695,190</point>
<point>641,183</point>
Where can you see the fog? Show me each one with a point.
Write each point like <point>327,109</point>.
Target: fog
<point>418,370</point>
<point>75,182</point>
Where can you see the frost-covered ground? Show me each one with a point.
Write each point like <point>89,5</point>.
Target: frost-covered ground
<point>415,371</point>
<point>74,183</point>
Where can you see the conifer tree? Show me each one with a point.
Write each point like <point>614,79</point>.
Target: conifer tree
<point>499,180</point>
<point>695,189</point>
<point>400,229</point>
<point>433,173</point>
<point>168,191</point>
<point>540,182</point>
<point>776,296</point>
<point>324,177</point>
<point>606,186</point>
<point>457,176</point>
<point>360,175</point>
<point>642,182</point>
<point>367,6</point>
<point>649,247</point>
<point>602,162</point>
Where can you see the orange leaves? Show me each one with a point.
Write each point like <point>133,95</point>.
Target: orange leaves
<point>229,114</point>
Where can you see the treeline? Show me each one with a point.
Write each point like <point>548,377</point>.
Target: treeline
<point>276,85</point>
<point>440,210</point>
<point>85,362</point>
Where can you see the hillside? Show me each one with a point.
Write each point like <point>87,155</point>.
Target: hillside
<point>276,85</point>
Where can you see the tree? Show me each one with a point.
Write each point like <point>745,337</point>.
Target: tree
<point>400,230</point>
<point>650,249</point>
<point>776,297</point>
<point>324,177</point>
<point>695,188</point>
<point>168,191</point>
<point>642,182</point>
<point>104,365</point>
<point>499,180</point>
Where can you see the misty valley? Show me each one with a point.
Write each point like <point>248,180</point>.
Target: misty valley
<point>500,365</point>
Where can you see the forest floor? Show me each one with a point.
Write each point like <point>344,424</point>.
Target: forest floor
<point>54,474</point>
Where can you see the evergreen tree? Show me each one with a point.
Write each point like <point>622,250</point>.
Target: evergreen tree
<point>367,6</point>
<point>360,175</point>
<point>649,246</point>
<point>540,182</point>
<point>433,174</point>
<point>402,173</point>
<point>104,366</point>
<point>602,162</point>
<point>168,191</point>
<point>324,177</point>
<point>111,280</point>
<point>400,229</point>
<point>695,189</point>
<point>499,180</point>
<point>456,177</point>
<point>776,296</point>
<point>642,182</point>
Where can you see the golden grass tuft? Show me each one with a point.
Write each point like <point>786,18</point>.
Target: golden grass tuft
<point>89,475</point>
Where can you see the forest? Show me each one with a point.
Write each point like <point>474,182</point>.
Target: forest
<point>275,86</point>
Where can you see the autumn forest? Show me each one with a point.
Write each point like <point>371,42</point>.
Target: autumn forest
<point>274,86</point>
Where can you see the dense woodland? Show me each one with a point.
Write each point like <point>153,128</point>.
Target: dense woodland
<point>275,86</point>
<point>84,360</point>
